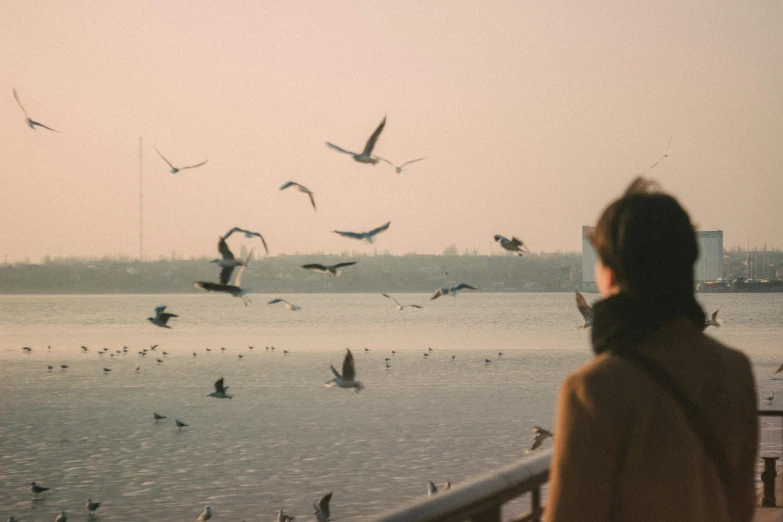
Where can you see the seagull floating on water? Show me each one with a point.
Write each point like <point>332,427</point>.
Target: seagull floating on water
<point>399,306</point>
<point>249,234</point>
<point>668,151</point>
<point>92,507</point>
<point>366,155</point>
<point>235,290</point>
<point>322,508</point>
<point>714,321</point>
<point>332,270</point>
<point>174,169</point>
<point>288,305</point>
<point>585,309</point>
<point>161,318</point>
<point>453,290</point>
<point>206,514</point>
<point>220,390</point>
<point>364,236</point>
<point>30,122</point>
<point>398,169</point>
<point>302,189</point>
<point>541,436</point>
<point>37,490</point>
<point>348,377</point>
<point>512,245</point>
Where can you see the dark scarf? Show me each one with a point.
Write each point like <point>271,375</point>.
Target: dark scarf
<point>621,322</point>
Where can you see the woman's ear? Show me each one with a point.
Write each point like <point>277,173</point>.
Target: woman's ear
<point>606,280</point>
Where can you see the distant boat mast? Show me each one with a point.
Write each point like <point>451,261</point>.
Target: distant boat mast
<point>141,200</point>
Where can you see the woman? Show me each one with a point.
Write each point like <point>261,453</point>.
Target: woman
<point>661,425</point>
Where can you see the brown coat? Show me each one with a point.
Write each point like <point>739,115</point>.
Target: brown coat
<point>624,451</point>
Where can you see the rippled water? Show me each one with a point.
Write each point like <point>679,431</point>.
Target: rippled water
<point>285,439</point>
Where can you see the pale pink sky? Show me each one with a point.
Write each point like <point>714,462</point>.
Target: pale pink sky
<point>533,114</point>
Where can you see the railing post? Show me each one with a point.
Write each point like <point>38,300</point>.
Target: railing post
<point>768,478</point>
<point>535,504</point>
<point>490,515</point>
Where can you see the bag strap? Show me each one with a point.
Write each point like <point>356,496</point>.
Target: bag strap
<point>691,412</point>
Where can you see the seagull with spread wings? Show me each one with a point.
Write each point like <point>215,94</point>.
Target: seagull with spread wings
<point>512,245</point>
<point>30,122</point>
<point>221,392</point>
<point>332,270</point>
<point>248,234</point>
<point>668,152</point>
<point>288,305</point>
<point>399,169</point>
<point>322,508</point>
<point>235,290</point>
<point>365,236</point>
<point>174,169</point>
<point>541,436</point>
<point>585,309</point>
<point>714,321</point>
<point>399,306</point>
<point>348,377</point>
<point>300,188</point>
<point>227,261</point>
<point>161,318</point>
<point>453,290</point>
<point>366,155</point>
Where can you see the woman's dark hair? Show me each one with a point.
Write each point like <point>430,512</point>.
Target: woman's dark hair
<point>646,238</point>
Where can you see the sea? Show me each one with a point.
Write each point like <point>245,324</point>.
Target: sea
<point>439,413</point>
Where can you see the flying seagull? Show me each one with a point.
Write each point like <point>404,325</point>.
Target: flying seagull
<point>399,169</point>
<point>180,424</point>
<point>282,517</point>
<point>366,155</point>
<point>432,489</point>
<point>220,390</point>
<point>714,321</point>
<point>206,514</point>
<point>348,378</point>
<point>37,490</point>
<point>161,318</point>
<point>584,309</point>
<point>322,508</point>
<point>92,507</point>
<point>366,236</point>
<point>227,261</point>
<point>541,436</point>
<point>512,245</point>
<point>668,151</point>
<point>248,234</point>
<point>332,270</point>
<point>780,369</point>
<point>30,122</point>
<point>302,189</point>
<point>399,306</point>
<point>288,305</point>
<point>453,290</point>
<point>174,169</point>
<point>236,290</point>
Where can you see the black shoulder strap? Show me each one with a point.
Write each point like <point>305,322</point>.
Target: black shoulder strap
<point>691,412</point>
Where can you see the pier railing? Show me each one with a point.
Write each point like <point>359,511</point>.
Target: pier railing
<point>482,499</point>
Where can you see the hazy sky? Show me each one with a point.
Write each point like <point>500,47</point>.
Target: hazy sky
<point>534,116</point>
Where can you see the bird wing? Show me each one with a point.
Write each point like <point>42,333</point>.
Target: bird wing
<point>780,369</point>
<point>657,162</point>
<point>334,371</point>
<point>584,308</point>
<point>219,386</point>
<point>371,142</point>
<point>263,241</point>
<point>289,184</point>
<point>379,229</point>
<point>209,287</point>
<point>323,505</point>
<point>387,161</point>
<point>238,280</point>
<point>353,235</point>
<point>276,300</point>
<point>439,292</point>
<point>349,371</point>
<point>340,265</point>
<point>20,104</point>
<point>411,161</point>
<point>669,147</point>
<point>193,166</point>
<point>393,299</point>
<point>312,199</point>
<point>227,234</point>
<point>516,240</point>
<point>225,274</point>
<point>462,286</point>
<point>165,317</point>
<point>159,310</point>
<point>338,149</point>
<point>39,124</point>
<point>715,314</point>
<point>225,252</point>
<point>416,306</point>
<point>316,267</point>
<point>537,441</point>
<point>164,158</point>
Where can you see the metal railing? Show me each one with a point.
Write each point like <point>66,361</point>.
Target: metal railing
<point>773,413</point>
<point>482,499</point>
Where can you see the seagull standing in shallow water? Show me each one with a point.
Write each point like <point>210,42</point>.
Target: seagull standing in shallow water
<point>366,155</point>
<point>365,236</point>
<point>161,318</point>
<point>453,290</point>
<point>37,490</point>
<point>174,169</point>
<point>180,424</point>
<point>322,508</point>
<point>348,377</point>
<point>220,390</point>
<point>584,309</point>
<point>30,122</point>
<point>302,189</point>
<point>92,507</point>
<point>157,416</point>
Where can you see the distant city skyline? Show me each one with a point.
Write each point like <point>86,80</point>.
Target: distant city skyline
<point>532,117</point>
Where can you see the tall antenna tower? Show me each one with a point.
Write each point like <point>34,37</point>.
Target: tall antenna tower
<point>141,200</point>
